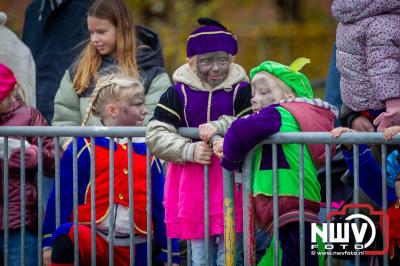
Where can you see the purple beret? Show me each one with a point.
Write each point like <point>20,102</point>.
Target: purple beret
<point>210,38</point>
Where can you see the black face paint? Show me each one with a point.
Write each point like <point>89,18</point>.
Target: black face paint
<point>213,68</point>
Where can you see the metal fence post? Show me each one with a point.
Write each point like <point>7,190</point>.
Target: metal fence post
<point>384,194</point>
<point>40,200</point>
<point>301,205</point>
<point>328,191</point>
<point>111,221</point>
<point>57,180</point>
<point>75,199</point>
<point>23,211</point>
<point>248,210</point>
<point>229,219</point>
<point>148,208</point>
<point>275,203</point>
<point>5,202</point>
<point>356,195</point>
<point>93,198</point>
<point>131,205</point>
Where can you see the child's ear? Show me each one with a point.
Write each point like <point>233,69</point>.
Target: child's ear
<point>192,63</point>
<point>233,60</point>
<point>112,110</point>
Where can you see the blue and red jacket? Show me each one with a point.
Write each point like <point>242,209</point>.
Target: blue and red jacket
<point>102,189</point>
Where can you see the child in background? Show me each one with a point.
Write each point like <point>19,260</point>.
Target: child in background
<point>208,86</point>
<point>116,44</point>
<point>14,112</point>
<point>368,59</point>
<point>116,101</point>
<point>370,180</point>
<point>282,102</point>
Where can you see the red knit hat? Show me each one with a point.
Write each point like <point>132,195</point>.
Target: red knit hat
<point>7,81</point>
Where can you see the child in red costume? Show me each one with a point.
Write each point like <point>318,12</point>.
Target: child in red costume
<point>117,101</point>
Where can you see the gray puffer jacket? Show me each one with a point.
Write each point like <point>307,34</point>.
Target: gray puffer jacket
<point>368,52</point>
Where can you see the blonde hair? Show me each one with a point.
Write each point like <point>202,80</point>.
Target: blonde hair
<point>111,88</point>
<point>17,91</point>
<point>90,59</point>
<point>286,90</point>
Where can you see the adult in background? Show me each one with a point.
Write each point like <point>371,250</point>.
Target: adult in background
<point>54,30</point>
<point>18,57</point>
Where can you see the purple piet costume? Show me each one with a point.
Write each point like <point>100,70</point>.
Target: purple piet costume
<point>190,103</point>
<point>210,38</point>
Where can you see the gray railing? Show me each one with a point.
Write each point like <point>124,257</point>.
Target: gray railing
<point>248,204</point>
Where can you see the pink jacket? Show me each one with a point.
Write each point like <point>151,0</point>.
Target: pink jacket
<point>22,115</point>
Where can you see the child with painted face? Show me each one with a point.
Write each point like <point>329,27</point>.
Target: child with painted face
<point>208,86</point>
<point>282,101</point>
<point>116,101</point>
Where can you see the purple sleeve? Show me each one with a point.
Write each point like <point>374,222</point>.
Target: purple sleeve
<point>247,132</point>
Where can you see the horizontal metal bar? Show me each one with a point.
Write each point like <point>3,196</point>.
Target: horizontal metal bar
<point>297,137</point>
<point>69,131</point>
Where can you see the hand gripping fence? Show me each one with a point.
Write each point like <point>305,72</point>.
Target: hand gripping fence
<point>230,237</point>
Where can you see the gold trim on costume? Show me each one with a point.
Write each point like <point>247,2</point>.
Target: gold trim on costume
<point>209,106</point>
<point>99,220</point>
<point>158,167</point>
<point>83,149</point>
<point>87,190</point>
<point>169,110</point>
<point>212,33</point>
<point>139,230</point>
<point>244,111</point>
<point>185,99</point>
<point>234,97</point>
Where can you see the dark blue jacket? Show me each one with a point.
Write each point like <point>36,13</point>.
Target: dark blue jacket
<point>56,34</point>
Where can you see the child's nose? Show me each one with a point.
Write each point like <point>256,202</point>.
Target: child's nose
<point>215,65</point>
<point>144,110</point>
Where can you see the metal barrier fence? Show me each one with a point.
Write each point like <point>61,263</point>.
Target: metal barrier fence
<point>248,202</point>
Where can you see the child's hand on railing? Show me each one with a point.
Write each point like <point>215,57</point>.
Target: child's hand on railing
<point>390,132</point>
<point>202,153</point>
<point>47,257</point>
<point>207,131</point>
<point>218,147</point>
<point>337,132</point>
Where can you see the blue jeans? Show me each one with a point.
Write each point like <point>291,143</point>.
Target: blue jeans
<point>14,248</point>
<point>216,251</point>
